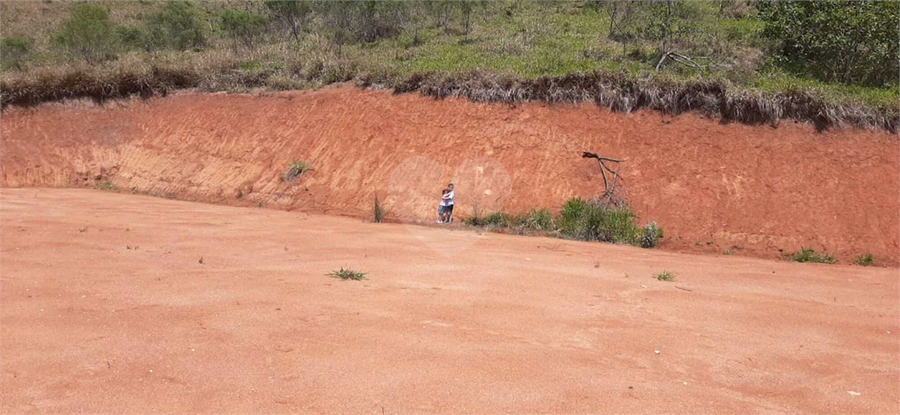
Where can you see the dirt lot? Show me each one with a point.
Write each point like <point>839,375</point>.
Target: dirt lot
<point>753,190</point>
<point>106,307</point>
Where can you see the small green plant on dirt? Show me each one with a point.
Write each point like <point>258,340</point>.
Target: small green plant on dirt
<point>665,276</point>
<point>728,252</point>
<point>378,211</point>
<point>297,168</point>
<point>107,185</point>
<point>810,255</point>
<point>347,274</point>
<point>864,260</point>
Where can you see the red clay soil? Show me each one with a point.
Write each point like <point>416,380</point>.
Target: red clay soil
<point>115,303</point>
<point>753,190</point>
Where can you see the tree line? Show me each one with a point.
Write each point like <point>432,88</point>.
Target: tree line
<point>854,42</point>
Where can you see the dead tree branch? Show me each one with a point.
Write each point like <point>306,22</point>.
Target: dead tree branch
<point>677,58</point>
<point>609,185</point>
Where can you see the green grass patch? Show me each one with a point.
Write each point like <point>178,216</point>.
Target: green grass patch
<point>665,276</point>
<point>864,260</point>
<point>578,219</point>
<point>775,81</point>
<point>347,274</point>
<point>810,255</point>
<point>589,221</point>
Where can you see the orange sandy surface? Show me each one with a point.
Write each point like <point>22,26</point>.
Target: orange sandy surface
<point>751,190</point>
<point>107,308</point>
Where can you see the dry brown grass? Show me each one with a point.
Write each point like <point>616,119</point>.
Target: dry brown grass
<point>218,72</point>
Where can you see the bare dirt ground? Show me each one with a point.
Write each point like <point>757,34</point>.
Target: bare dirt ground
<point>752,190</point>
<point>107,308</point>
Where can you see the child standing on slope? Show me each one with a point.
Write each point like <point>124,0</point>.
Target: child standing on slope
<point>445,212</point>
<point>441,206</point>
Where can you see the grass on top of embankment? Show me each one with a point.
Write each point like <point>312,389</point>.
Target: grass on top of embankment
<point>513,51</point>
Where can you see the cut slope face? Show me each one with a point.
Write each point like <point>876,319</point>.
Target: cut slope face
<point>712,187</point>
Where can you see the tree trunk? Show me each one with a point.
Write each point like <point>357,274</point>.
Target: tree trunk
<point>668,27</point>
<point>468,15</point>
<point>612,18</point>
<point>294,30</point>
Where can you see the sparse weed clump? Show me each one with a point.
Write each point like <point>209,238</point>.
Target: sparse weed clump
<point>475,219</point>
<point>864,260</point>
<point>497,220</point>
<point>297,168</point>
<point>347,274</point>
<point>665,276</point>
<point>107,185</point>
<point>810,255</point>
<point>537,220</point>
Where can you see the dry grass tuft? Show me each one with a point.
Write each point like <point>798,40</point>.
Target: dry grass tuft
<point>616,91</point>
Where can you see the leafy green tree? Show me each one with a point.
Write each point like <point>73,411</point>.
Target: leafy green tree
<point>13,50</point>
<point>338,21</point>
<point>292,14</point>
<point>668,21</point>
<point>468,7</point>
<point>88,32</point>
<point>176,26</point>
<point>439,10</point>
<point>243,27</point>
<point>845,41</point>
<point>379,19</point>
<point>624,20</point>
<point>362,21</point>
<point>416,15</point>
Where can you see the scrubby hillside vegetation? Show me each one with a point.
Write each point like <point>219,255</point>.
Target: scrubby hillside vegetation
<point>829,62</point>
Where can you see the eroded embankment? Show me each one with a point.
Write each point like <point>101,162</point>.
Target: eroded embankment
<point>712,186</point>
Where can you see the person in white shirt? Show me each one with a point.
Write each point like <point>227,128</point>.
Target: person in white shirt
<point>445,212</point>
